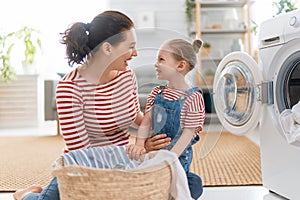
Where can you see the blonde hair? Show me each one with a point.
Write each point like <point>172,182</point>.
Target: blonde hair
<point>184,50</point>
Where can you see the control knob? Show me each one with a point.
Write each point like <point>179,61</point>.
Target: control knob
<point>295,21</point>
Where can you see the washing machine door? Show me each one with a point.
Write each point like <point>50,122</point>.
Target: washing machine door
<point>235,93</point>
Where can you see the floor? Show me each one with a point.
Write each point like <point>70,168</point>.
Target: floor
<point>210,193</point>
<point>218,193</point>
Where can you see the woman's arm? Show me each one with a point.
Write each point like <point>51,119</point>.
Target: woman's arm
<point>157,142</point>
<point>70,114</point>
<point>183,141</point>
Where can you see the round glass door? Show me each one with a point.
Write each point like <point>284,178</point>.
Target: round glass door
<point>235,92</point>
<point>288,83</point>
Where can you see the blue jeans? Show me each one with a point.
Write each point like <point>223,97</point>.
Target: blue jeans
<point>195,185</point>
<point>49,193</point>
<point>166,119</point>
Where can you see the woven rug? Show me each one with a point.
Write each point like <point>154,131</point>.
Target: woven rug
<point>220,159</point>
<point>224,159</point>
<point>27,160</point>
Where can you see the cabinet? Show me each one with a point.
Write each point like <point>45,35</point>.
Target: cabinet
<point>20,102</point>
<point>224,27</point>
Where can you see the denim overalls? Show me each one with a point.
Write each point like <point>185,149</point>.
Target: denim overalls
<point>166,119</point>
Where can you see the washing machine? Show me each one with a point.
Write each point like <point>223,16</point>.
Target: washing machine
<point>249,96</point>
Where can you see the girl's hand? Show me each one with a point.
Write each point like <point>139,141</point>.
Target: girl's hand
<point>135,151</point>
<point>151,154</point>
<point>157,142</point>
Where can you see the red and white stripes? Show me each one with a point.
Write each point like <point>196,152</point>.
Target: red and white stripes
<point>96,115</point>
<point>193,110</point>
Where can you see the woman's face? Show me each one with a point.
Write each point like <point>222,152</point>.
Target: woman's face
<point>124,51</point>
<point>166,64</point>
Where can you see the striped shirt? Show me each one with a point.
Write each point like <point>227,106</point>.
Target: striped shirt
<point>96,115</point>
<point>193,110</point>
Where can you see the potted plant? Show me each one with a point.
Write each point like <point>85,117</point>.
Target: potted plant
<point>206,49</point>
<point>284,6</point>
<point>7,73</point>
<point>209,77</point>
<point>27,37</point>
<point>189,13</point>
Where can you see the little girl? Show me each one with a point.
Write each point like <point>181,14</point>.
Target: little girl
<point>176,109</point>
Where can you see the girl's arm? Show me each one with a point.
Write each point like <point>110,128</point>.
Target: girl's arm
<point>144,130</point>
<point>183,141</point>
<point>136,150</point>
<point>139,118</point>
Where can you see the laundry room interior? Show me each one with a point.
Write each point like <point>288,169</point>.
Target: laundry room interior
<point>248,71</point>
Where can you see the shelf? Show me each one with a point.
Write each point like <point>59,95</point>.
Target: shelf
<point>209,59</point>
<point>211,115</point>
<point>226,26</point>
<point>208,88</point>
<point>232,3</point>
<point>211,118</point>
<point>222,31</point>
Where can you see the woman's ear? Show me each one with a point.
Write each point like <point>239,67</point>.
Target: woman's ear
<point>106,48</point>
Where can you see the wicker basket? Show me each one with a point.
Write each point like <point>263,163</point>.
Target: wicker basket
<point>76,182</point>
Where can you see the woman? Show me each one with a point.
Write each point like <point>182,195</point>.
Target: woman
<point>98,101</point>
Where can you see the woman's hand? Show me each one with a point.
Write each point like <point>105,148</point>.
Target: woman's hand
<point>157,142</point>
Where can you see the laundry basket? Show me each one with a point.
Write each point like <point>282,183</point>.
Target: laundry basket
<point>77,183</point>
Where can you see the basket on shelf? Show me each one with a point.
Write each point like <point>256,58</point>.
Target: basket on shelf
<point>77,182</point>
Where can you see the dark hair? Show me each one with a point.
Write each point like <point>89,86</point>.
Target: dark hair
<point>184,50</point>
<point>81,39</point>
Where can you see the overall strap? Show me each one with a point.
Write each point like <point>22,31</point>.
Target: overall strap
<point>192,90</point>
<point>159,93</point>
<point>162,87</point>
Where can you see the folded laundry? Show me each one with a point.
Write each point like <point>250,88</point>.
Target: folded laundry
<point>290,123</point>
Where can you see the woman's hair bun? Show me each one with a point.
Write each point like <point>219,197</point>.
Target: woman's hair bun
<point>197,44</point>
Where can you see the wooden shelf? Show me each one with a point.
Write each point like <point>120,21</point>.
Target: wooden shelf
<point>222,31</point>
<point>236,33</point>
<point>212,26</point>
<point>220,4</point>
<point>211,118</point>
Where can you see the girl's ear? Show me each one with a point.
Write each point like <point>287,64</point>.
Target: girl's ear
<point>182,66</point>
<point>106,48</point>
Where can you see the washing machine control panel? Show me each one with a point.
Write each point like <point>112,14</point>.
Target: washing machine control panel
<point>295,21</point>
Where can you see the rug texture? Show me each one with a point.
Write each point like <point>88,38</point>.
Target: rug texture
<point>221,159</point>
<point>27,160</point>
<point>224,159</point>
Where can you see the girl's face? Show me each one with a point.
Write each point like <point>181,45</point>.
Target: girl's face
<point>166,65</point>
<point>124,51</point>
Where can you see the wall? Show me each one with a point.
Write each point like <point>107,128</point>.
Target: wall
<point>169,14</point>
<point>168,22</point>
